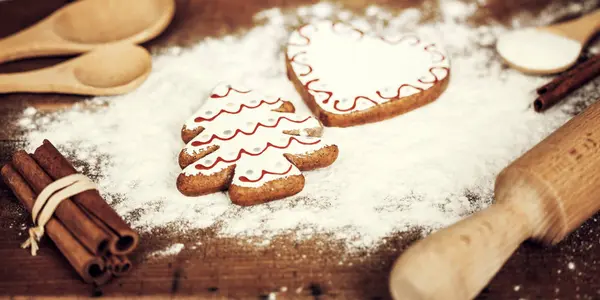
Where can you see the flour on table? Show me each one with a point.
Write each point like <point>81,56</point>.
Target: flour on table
<point>169,251</point>
<point>425,169</point>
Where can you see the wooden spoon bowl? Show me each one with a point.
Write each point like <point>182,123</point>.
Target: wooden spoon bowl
<point>141,21</point>
<point>86,24</point>
<point>108,70</point>
<point>550,49</point>
<point>112,66</point>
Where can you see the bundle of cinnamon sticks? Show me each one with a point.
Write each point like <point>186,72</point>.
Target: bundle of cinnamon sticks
<point>557,89</point>
<point>87,231</point>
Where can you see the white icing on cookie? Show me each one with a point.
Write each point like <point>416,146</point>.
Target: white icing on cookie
<point>250,135</point>
<point>347,70</point>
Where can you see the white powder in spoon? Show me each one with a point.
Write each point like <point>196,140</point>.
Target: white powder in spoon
<point>538,50</point>
<point>424,169</point>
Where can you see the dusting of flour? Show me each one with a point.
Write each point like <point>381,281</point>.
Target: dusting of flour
<point>169,251</point>
<point>424,169</point>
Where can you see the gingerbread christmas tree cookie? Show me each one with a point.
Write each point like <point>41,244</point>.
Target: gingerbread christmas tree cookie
<point>349,77</point>
<point>253,146</point>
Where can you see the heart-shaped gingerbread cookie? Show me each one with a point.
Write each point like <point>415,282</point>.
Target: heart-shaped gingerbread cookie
<point>350,77</point>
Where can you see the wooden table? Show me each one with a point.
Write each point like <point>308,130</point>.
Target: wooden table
<point>224,268</point>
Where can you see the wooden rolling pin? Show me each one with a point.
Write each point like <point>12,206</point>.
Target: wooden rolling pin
<point>544,195</point>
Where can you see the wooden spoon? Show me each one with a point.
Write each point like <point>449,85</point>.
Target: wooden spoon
<point>108,70</point>
<point>86,24</point>
<point>548,50</point>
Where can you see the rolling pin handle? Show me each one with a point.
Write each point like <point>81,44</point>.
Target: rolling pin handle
<point>466,255</point>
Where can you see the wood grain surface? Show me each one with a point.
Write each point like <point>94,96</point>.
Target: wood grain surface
<point>212,267</point>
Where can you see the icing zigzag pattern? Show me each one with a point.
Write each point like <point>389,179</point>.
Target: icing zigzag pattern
<point>240,131</point>
<point>336,102</point>
<point>224,111</point>
<point>243,151</point>
<point>229,89</point>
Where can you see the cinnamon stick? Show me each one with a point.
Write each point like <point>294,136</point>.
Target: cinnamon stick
<point>562,85</point>
<point>118,265</point>
<point>559,79</point>
<point>112,237</point>
<point>71,216</point>
<point>57,166</point>
<point>91,268</point>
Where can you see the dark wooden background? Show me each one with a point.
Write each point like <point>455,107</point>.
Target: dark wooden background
<point>227,268</point>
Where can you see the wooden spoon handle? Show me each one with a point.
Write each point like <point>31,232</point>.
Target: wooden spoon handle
<point>33,81</point>
<point>581,29</point>
<point>36,41</point>
<point>457,262</point>
<point>595,18</point>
